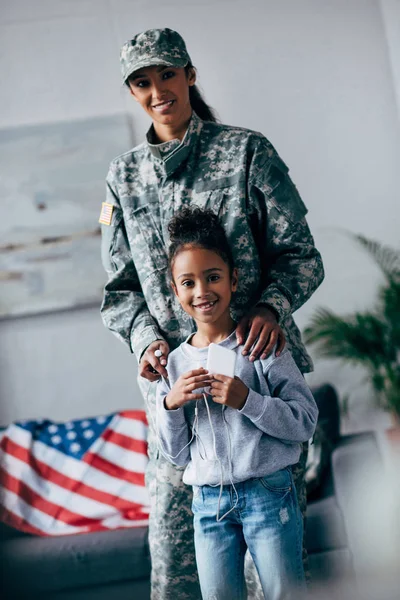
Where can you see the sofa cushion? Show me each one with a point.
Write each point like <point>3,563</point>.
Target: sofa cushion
<point>57,563</point>
<point>335,565</point>
<point>325,529</point>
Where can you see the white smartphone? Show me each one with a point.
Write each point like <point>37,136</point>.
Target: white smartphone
<point>221,360</point>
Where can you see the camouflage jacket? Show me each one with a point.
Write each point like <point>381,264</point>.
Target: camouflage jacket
<point>238,174</point>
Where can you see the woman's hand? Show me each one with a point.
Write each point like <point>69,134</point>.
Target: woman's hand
<point>152,367</point>
<point>182,391</point>
<point>264,328</point>
<point>229,391</point>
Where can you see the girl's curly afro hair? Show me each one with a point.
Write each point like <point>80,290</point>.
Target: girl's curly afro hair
<point>193,226</point>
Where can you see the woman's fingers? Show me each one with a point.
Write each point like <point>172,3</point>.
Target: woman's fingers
<point>152,365</point>
<point>241,330</point>
<point>146,371</point>
<point>281,342</point>
<point>262,339</point>
<point>273,338</point>
<point>158,357</point>
<point>263,342</point>
<point>159,369</point>
<point>252,336</point>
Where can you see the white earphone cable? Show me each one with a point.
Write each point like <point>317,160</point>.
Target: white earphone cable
<point>195,435</point>
<point>221,485</point>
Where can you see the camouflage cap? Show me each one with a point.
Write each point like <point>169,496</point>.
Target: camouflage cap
<point>153,47</point>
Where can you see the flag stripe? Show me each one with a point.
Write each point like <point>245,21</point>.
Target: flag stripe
<point>29,494</point>
<point>135,415</point>
<point>38,519</point>
<point>12,516</point>
<point>132,429</point>
<point>114,470</point>
<point>89,508</point>
<point>13,520</point>
<point>131,461</point>
<point>62,515</point>
<point>119,439</point>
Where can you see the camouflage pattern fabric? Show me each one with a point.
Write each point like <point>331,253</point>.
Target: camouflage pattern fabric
<point>238,174</point>
<point>153,47</point>
<point>298,471</point>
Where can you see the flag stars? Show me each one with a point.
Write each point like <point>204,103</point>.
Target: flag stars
<point>69,425</point>
<point>85,424</point>
<point>71,435</point>
<point>53,429</point>
<point>56,439</point>
<point>88,433</point>
<point>75,447</point>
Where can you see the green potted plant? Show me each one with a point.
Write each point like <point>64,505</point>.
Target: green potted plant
<point>370,338</point>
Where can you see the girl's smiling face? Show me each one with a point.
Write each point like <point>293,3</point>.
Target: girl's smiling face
<point>203,285</point>
<point>163,92</point>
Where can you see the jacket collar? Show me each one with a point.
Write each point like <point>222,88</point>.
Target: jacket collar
<point>171,154</point>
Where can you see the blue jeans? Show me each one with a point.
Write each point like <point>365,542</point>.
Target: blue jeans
<point>267,521</point>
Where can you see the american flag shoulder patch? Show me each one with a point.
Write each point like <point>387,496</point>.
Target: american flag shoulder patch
<point>106,213</point>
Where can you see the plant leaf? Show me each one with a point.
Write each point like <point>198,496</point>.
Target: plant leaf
<point>386,257</point>
<point>359,338</point>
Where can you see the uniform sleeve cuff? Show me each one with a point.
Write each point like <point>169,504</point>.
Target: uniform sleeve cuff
<point>254,406</point>
<point>274,298</point>
<point>142,338</point>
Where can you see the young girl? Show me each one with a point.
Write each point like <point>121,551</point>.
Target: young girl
<point>240,438</point>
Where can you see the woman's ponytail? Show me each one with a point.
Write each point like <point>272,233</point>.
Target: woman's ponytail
<point>197,102</point>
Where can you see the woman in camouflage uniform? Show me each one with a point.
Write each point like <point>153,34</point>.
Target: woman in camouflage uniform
<point>189,158</point>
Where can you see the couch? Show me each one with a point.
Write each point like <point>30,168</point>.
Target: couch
<point>116,564</point>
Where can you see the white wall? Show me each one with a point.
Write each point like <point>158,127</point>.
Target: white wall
<point>317,77</point>
<point>391,19</point>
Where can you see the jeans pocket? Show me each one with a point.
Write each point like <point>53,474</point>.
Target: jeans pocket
<point>280,481</point>
<point>197,500</point>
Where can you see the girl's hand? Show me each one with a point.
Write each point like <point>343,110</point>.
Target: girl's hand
<point>264,326</point>
<point>182,391</point>
<point>152,367</point>
<point>228,391</point>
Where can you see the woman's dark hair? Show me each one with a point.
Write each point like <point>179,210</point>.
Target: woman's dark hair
<point>193,226</point>
<point>197,102</point>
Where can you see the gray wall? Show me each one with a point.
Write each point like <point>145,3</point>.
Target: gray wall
<point>319,78</point>
<point>62,366</point>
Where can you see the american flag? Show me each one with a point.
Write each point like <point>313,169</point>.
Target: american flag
<point>75,477</point>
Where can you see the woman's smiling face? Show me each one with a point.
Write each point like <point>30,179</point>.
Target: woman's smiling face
<point>203,284</point>
<point>163,92</point>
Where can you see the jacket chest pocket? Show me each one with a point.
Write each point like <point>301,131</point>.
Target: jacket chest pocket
<point>148,249</point>
<point>215,199</point>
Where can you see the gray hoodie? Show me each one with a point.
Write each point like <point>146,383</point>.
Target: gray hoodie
<point>264,436</point>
